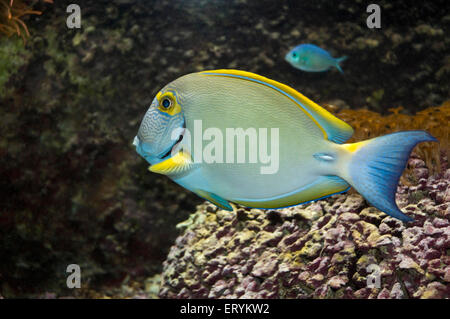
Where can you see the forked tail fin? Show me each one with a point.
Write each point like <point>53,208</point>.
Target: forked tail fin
<point>377,164</point>
<point>338,61</point>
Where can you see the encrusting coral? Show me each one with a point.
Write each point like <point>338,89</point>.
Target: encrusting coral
<point>339,247</point>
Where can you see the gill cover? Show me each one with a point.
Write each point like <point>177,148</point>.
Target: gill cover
<point>162,125</point>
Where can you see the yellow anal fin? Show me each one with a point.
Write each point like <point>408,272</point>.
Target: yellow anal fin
<point>215,199</point>
<point>333,129</point>
<point>323,187</point>
<point>177,164</point>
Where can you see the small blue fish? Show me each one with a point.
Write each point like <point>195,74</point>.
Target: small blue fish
<point>311,58</point>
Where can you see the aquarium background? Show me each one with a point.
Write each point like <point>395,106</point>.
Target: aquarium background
<point>74,191</point>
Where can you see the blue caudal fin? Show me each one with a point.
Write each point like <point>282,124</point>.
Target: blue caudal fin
<point>376,167</point>
<point>338,61</point>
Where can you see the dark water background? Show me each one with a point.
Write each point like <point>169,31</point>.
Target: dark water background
<point>72,188</point>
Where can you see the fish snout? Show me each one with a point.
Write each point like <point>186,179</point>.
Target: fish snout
<point>287,57</point>
<point>142,148</point>
<point>136,141</point>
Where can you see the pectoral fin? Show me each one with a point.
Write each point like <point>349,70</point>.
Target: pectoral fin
<point>177,164</point>
<point>215,199</point>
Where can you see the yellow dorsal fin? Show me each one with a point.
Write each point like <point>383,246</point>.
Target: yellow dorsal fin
<point>333,128</point>
<point>176,164</point>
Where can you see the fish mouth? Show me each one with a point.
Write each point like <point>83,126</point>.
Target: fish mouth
<point>180,138</point>
<point>287,56</point>
<point>178,141</point>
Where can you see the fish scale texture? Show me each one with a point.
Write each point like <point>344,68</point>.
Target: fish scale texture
<point>328,249</point>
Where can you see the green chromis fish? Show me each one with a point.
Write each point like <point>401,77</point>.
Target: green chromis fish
<point>209,132</point>
<point>311,58</point>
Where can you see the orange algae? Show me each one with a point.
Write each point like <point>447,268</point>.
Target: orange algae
<point>435,120</point>
<point>11,13</point>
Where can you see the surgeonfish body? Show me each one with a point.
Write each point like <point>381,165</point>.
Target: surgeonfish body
<point>311,58</point>
<point>313,160</point>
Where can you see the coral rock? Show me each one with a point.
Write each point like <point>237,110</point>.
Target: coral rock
<point>338,247</point>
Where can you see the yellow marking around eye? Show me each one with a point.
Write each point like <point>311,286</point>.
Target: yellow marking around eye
<point>321,112</point>
<point>174,109</point>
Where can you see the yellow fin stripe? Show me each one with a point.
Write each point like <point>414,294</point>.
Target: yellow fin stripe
<point>353,147</point>
<point>314,111</point>
<point>321,188</point>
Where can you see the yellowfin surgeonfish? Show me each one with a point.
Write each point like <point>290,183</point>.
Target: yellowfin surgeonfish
<point>313,161</point>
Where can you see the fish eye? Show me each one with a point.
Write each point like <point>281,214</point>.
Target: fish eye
<point>294,54</point>
<point>166,103</point>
